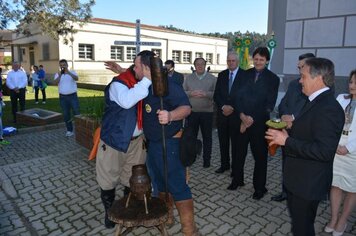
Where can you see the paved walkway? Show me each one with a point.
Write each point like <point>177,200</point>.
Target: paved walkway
<point>48,188</point>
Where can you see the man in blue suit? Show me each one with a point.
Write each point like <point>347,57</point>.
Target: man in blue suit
<point>310,145</point>
<point>172,74</point>
<point>289,108</point>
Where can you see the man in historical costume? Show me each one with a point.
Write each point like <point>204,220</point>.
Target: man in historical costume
<point>121,139</point>
<point>176,108</point>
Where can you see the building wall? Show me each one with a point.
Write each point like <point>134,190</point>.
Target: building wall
<point>101,34</point>
<point>324,27</point>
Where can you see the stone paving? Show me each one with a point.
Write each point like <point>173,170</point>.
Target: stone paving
<point>48,187</point>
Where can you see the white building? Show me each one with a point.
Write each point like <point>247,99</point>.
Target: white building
<point>102,39</point>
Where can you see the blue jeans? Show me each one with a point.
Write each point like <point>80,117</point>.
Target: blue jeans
<point>69,102</point>
<point>177,185</point>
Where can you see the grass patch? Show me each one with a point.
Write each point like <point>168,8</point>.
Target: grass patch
<point>90,101</point>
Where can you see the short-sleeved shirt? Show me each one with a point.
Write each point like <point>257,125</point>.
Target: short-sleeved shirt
<point>67,85</point>
<point>151,127</point>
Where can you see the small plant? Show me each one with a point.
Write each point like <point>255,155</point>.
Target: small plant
<point>94,107</point>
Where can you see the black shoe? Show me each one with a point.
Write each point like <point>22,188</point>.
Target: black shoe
<point>257,195</point>
<point>279,198</point>
<point>234,185</point>
<point>221,170</point>
<point>206,164</point>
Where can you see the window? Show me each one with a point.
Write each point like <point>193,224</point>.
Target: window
<point>176,56</point>
<point>198,55</point>
<point>158,52</point>
<point>86,51</point>
<point>45,51</point>
<point>130,53</point>
<point>187,57</point>
<point>209,58</point>
<point>117,53</point>
<point>218,58</point>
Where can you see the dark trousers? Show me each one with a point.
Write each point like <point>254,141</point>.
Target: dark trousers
<point>227,132</point>
<point>20,96</point>
<point>284,190</point>
<point>303,213</point>
<point>43,93</point>
<point>254,136</point>
<point>204,121</point>
<point>69,103</point>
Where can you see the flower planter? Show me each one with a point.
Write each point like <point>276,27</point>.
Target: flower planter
<point>84,127</point>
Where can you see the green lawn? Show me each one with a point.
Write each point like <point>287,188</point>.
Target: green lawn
<point>90,101</point>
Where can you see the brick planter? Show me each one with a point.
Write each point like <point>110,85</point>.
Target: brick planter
<point>84,129</point>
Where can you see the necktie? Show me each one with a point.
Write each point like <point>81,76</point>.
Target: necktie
<point>231,80</point>
<point>256,77</point>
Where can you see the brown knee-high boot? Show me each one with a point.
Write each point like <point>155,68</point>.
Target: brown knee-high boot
<point>169,204</point>
<point>186,214</point>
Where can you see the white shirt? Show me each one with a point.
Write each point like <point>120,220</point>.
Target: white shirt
<point>317,93</point>
<point>16,79</point>
<point>67,85</point>
<point>127,98</point>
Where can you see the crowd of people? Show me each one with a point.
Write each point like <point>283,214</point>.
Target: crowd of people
<point>244,100</point>
<point>318,145</point>
<point>17,81</point>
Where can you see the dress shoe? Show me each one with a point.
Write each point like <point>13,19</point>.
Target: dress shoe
<point>235,185</point>
<point>337,233</point>
<point>221,170</point>
<point>328,229</point>
<point>257,195</point>
<point>206,164</point>
<point>279,198</point>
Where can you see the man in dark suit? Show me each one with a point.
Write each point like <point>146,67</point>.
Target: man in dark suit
<point>310,145</point>
<point>289,108</point>
<point>227,119</point>
<point>256,98</point>
<point>172,74</point>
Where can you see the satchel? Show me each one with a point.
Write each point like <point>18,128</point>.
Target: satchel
<point>44,85</point>
<point>190,146</point>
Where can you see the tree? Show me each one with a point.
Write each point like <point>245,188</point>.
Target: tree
<point>52,16</point>
<point>258,40</point>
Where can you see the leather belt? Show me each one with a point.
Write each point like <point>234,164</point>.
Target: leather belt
<point>346,132</point>
<point>136,137</point>
<point>178,134</point>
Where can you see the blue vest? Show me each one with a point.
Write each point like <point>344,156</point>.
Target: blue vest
<point>118,124</point>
